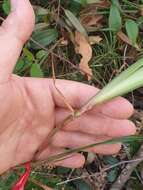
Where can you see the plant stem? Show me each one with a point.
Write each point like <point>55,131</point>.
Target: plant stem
<point>63,155</point>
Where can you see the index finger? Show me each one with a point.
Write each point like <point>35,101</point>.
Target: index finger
<point>78,93</point>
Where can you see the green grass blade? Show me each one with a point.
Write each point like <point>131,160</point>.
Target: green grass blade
<point>127,81</point>
<point>127,139</point>
<point>120,89</point>
<point>128,72</point>
<point>132,30</point>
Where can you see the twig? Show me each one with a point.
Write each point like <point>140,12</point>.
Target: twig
<point>2,19</point>
<point>44,48</point>
<point>103,170</point>
<point>50,51</point>
<point>129,158</point>
<point>127,171</point>
<point>61,94</point>
<point>74,114</point>
<point>38,183</point>
<point>58,14</point>
<point>45,174</point>
<point>72,111</point>
<point>124,60</point>
<point>64,155</point>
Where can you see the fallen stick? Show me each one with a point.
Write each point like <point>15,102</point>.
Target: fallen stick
<point>127,171</point>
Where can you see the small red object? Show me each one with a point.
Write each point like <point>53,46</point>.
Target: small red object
<point>23,179</point>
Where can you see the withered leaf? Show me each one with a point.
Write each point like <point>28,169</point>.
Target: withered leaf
<point>94,40</point>
<point>124,38</point>
<point>84,49</point>
<point>91,20</point>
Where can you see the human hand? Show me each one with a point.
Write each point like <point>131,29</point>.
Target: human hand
<point>31,108</point>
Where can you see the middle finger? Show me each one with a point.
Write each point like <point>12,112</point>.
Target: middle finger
<point>97,124</point>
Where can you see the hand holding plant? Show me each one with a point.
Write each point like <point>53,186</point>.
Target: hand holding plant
<point>31,108</point>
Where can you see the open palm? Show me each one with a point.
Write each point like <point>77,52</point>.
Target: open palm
<point>31,108</point>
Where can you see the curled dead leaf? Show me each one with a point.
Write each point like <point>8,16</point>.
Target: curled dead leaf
<point>95,5</point>
<point>91,20</point>
<point>103,4</point>
<point>124,38</point>
<point>83,48</point>
<point>90,16</point>
<point>94,40</point>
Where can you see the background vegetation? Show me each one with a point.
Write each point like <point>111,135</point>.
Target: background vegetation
<point>114,30</point>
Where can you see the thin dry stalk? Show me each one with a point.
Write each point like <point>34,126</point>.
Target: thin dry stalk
<point>102,171</point>
<point>44,187</point>
<point>61,94</point>
<point>127,171</point>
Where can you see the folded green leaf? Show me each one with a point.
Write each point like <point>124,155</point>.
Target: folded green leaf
<point>75,22</point>
<point>115,21</point>
<point>44,37</point>
<point>36,71</point>
<point>116,3</point>
<point>132,30</point>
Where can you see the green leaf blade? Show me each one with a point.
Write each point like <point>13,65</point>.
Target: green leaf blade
<point>126,139</point>
<point>28,54</point>
<point>6,6</point>
<point>132,30</point>
<point>44,37</point>
<point>82,2</point>
<point>127,81</point>
<point>36,71</point>
<point>115,21</point>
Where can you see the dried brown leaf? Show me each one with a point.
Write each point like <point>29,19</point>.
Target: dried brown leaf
<point>91,20</point>
<point>124,38</point>
<point>103,4</point>
<point>84,49</point>
<point>94,40</point>
<point>98,5</point>
<point>90,17</point>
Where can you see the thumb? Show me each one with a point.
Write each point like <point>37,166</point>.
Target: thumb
<point>14,32</point>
